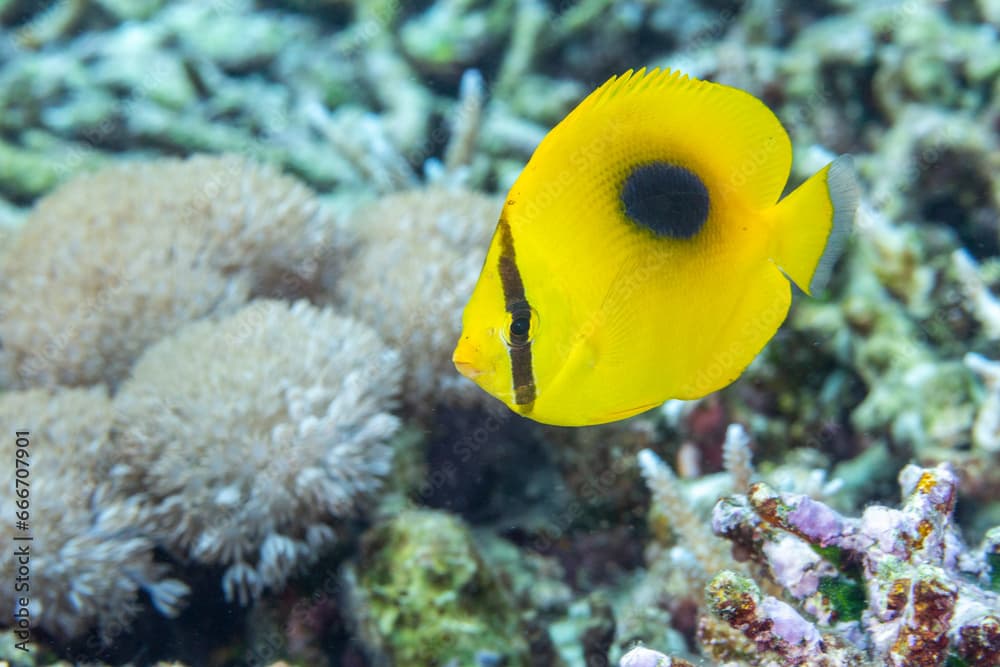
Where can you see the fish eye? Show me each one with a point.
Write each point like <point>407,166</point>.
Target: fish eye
<point>521,326</point>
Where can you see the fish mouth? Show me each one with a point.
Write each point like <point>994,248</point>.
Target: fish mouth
<point>467,369</point>
<point>464,356</point>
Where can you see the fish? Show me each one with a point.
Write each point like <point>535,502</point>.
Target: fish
<point>646,253</point>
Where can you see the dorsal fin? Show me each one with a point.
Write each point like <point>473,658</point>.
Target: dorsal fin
<point>737,143</point>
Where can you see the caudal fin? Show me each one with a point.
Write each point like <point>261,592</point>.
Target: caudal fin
<point>812,223</point>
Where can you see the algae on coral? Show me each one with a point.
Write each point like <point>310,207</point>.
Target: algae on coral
<point>423,595</point>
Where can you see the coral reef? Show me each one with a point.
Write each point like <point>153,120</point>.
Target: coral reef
<point>286,410</point>
<point>778,634</point>
<point>176,82</point>
<point>422,595</point>
<point>897,584</point>
<point>921,398</point>
<point>405,122</point>
<point>662,607</point>
<point>90,557</point>
<point>419,257</point>
<point>673,508</point>
<point>128,254</point>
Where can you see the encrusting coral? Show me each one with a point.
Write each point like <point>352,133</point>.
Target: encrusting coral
<point>813,587</point>
<point>128,254</point>
<point>89,556</point>
<point>778,634</point>
<point>896,585</point>
<point>420,254</point>
<point>250,435</point>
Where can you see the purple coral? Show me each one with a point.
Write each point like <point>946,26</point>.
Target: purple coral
<point>774,626</point>
<point>897,583</point>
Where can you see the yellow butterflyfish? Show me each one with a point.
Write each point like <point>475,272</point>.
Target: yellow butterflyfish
<point>643,253</point>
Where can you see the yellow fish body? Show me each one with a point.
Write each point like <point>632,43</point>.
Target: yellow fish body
<point>643,253</point>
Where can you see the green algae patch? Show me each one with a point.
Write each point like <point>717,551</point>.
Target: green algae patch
<point>955,661</point>
<point>846,595</point>
<point>831,554</point>
<point>845,592</point>
<point>424,596</point>
<point>991,548</point>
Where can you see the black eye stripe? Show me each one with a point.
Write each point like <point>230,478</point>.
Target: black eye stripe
<point>519,328</point>
<point>516,303</point>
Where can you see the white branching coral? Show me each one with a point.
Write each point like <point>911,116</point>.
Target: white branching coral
<point>986,429</point>
<point>711,554</point>
<point>737,457</point>
<point>985,306</point>
<point>128,254</point>
<point>89,555</point>
<point>419,258</point>
<point>251,435</point>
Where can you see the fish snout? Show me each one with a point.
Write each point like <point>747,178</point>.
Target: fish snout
<point>464,358</point>
<point>467,369</point>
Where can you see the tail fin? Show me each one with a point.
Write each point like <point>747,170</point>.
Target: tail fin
<point>812,223</point>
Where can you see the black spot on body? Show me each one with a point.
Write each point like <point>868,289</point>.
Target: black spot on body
<point>667,199</point>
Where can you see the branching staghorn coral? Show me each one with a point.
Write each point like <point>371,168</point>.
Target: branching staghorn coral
<point>711,554</point>
<point>418,260</point>
<point>898,585</point>
<point>90,556</point>
<point>127,255</point>
<point>51,24</point>
<point>454,32</point>
<point>285,409</point>
<point>678,569</point>
<point>466,122</point>
<point>986,428</point>
<point>364,142</point>
<point>736,456</point>
<point>983,303</point>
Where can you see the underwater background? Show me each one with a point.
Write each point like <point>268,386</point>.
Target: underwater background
<point>236,239</point>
